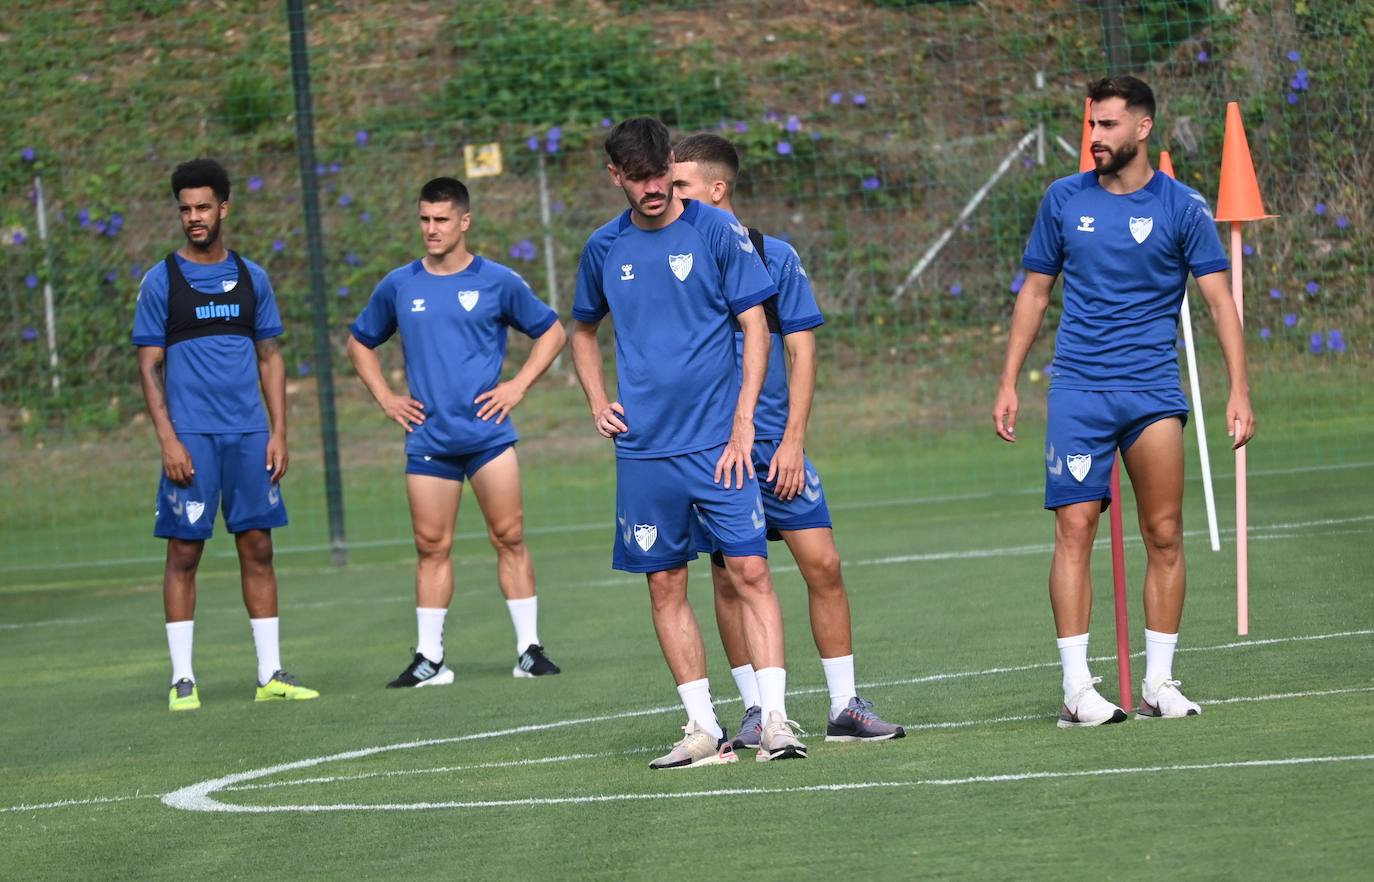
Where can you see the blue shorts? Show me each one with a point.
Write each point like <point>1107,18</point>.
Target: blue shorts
<point>658,502</point>
<point>454,468</point>
<point>805,511</point>
<point>231,467</point>
<point>1086,428</point>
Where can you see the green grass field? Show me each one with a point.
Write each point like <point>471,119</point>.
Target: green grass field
<point>547,779</point>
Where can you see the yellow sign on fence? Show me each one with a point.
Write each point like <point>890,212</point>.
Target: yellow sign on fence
<point>483,160</point>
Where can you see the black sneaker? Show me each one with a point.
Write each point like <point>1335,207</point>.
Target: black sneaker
<point>534,663</point>
<point>422,672</point>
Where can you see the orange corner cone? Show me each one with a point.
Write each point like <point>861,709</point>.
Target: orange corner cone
<point>1239,196</point>
<point>1085,147</point>
<point>1166,164</point>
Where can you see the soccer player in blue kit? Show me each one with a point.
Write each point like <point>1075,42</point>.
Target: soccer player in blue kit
<point>706,168</point>
<point>1125,238</point>
<point>205,326</point>
<point>671,274</point>
<point>453,309</point>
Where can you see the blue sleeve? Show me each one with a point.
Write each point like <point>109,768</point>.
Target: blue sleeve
<point>797,308</point>
<point>589,303</point>
<point>377,322</point>
<point>744,279</point>
<point>522,310</point>
<point>1198,238</point>
<point>150,312</point>
<point>1045,249</point>
<point>267,321</point>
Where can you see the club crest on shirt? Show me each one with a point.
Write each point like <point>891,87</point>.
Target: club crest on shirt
<point>1078,464</point>
<point>468,299</point>
<point>194,510</point>
<point>1141,227</point>
<point>645,535</point>
<point>681,265</point>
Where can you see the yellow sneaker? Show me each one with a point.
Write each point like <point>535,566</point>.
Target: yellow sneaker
<point>283,687</point>
<point>183,696</point>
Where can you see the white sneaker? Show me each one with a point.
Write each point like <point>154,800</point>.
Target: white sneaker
<point>1164,700</point>
<point>778,741</point>
<point>698,748</point>
<point>1085,707</point>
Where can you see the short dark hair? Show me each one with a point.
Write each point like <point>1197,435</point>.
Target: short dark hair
<point>1136,92</point>
<point>446,190</point>
<point>709,149</point>
<point>640,147</point>
<point>201,173</point>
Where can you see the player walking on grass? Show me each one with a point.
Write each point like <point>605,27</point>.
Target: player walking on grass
<point>706,169</point>
<point>453,309</point>
<point>205,326</point>
<point>671,273</point>
<point>1125,239</point>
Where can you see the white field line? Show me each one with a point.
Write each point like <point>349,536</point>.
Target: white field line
<point>1134,770</point>
<point>64,803</point>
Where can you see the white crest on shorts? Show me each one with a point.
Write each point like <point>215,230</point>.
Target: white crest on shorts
<point>1079,463</point>
<point>194,510</point>
<point>468,299</point>
<point>273,494</point>
<point>645,534</point>
<point>1141,227</point>
<point>681,265</point>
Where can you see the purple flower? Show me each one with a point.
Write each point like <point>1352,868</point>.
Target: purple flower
<point>1315,342</point>
<point>1247,249</point>
<point>30,334</point>
<point>558,208</point>
<point>303,369</point>
<point>815,136</point>
<point>860,99</point>
<point>793,124</point>
<point>1292,98</point>
<point>1017,281</point>
<point>117,220</point>
<point>361,137</point>
<point>784,148</point>
<point>606,122</point>
<point>343,290</point>
<point>110,277</point>
<point>1342,222</point>
<point>1290,319</point>
<point>31,281</point>
<point>278,246</point>
<point>27,154</point>
<point>552,147</point>
<point>1319,208</point>
<point>19,238</point>
<point>836,97</point>
<point>871,183</point>
<point>83,217</point>
<point>1274,294</point>
<point>319,169</point>
<point>335,168</point>
<point>1335,341</point>
<point>1313,288</point>
<point>1294,56</point>
<point>352,259</point>
<point>772,116</point>
<point>1203,57</point>
<point>254,184</point>
<point>1027,163</point>
<point>345,200</point>
<point>741,127</point>
<point>956,289</point>
<point>365,217</point>
<point>533,144</point>
<point>1265,333</point>
<point>135,271</point>
<point>101,226</point>
<point>523,250</point>
<point>555,133</point>
<point>1299,82</point>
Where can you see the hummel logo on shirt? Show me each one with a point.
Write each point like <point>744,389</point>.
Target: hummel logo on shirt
<point>1085,224</point>
<point>417,305</point>
<point>1053,464</point>
<point>627,272</point>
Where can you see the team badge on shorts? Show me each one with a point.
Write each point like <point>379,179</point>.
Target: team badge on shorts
<point>194,510</point>
<point>1141,227</point>
<point>645,535</point>
<point>1079,463</point>
<point>468,299</point>
<point>681,265</point>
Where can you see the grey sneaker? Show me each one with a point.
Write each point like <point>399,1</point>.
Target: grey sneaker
<point>698,748</point>
<point>778,741</point>
<point>750,729</point>
<point>858,722</point>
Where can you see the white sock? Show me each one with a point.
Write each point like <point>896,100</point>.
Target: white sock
<point>1073,653</point>
<point>748,685</point>
<point>696,698</point>
<point>1159,656</point>
<point>524,614</point>
<point>269,649</point>
<point>179,635</point>
<point>839,682</point>
<point>772,688</point>
<point>430,625</point>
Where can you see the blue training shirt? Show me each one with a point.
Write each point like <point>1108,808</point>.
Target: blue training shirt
<point>797,311</point>
<point>453,332</point>
<point>212,382</point>
<point>1125,260</point>
<point>671,293</point>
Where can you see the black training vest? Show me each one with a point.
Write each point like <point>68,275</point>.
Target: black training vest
<point>192,313</point>
<point>770,306</point>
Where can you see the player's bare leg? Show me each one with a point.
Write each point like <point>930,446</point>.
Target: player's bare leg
<point>827,600</point>
<point>433,512</point>
<point>1071,596</point>
<point>1155,464</point>
<point>256,574</point>
<point>676,625</point>
<point>179,579</point>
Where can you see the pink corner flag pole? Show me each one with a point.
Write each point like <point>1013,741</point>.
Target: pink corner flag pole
<point>1242,545</point>
<point>1123,628</point>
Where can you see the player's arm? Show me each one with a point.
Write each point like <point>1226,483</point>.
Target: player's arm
<point>401,408</point>
<point>502,398</point>
<point>586,350</point>
<point>738,457</point>
<point>1026,317</point>
<point>272,376</point>
<point>788,468</point>
<point>1240,419</point>
<point>176,459</point>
